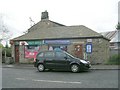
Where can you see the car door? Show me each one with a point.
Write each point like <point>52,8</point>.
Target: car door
<point>48,61</point>
<point>61,61</point>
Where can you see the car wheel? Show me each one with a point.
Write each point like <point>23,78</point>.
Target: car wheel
<point>40,67</point>
<point>74,68</point>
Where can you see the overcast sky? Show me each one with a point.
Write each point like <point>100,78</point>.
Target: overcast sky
<point>98,15</point>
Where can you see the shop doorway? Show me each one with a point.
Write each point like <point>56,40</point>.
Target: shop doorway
<point>78,50</point>
<point>17,54</point>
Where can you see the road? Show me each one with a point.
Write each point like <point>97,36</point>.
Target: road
<point>31,78</point>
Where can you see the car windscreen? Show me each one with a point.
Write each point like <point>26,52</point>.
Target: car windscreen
<point>69,54</point>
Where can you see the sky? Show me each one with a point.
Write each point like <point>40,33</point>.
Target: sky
<point>98,15</point>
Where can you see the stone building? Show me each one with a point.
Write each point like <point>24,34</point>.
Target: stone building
<point>78,40</point>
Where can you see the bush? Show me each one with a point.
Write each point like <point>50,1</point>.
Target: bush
<point>114,60</point>
<point>8,52</point>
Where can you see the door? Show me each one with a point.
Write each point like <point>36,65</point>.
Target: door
<point>61,61</point>
<point>78,50</point>
<point>48,59</point>
<point>17,54</point>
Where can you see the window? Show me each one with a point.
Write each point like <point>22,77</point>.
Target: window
<point>60,54</point>
<point>40,54</point>
<point>57,47</point>
<point>112,44</point>
<point>49,54</point>
<point>31,51</point>
<point>32,48</point>
<point>64,48</point>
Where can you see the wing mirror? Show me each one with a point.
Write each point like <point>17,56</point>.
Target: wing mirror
<point>66,57</point>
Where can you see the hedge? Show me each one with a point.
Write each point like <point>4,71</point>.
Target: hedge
<point>114,60</point>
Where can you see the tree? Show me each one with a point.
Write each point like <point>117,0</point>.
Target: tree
<point>118,26</point>
<point>1,46</point>
<point>4,35</point>
<point>4,32</point>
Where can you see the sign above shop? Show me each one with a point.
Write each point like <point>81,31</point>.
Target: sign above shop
<point>57,41</point>
<point>31,42</point>
<point>89,40</point>
<point>35,42</point>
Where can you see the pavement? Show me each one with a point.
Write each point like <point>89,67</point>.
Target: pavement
<point>93,67</point>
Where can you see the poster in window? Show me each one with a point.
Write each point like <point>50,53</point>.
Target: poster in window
<point>31,51</point>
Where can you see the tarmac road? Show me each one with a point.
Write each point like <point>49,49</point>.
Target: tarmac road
<point>31,78</point>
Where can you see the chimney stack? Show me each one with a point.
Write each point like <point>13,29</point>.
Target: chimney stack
<point>44,15</point>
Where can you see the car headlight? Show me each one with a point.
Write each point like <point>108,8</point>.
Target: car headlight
<point>83,61</point>
<point>88,62</point>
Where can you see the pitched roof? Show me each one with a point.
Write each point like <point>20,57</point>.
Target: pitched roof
<point>45,23</point>
<point>58,32</point>
<point>114,36</point>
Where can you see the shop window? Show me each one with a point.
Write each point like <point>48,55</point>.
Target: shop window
<point>31,51</point>
<point>64,48</point>
<point>32,48</point>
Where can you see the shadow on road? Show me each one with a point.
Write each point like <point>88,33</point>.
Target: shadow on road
<point>63,71</point>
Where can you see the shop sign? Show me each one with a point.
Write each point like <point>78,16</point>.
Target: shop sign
<point>31,42</point>
<point>34,42</point>
<point>57,41</point>
<point>89,40</point>
<point>89,48</point>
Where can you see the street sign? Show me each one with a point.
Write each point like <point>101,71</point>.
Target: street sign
<point>89,48</point>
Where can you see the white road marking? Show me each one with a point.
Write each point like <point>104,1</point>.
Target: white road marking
<point>20,78</point>
<point>50,81</point>
<point>10,66</point>
<point>56,81</point>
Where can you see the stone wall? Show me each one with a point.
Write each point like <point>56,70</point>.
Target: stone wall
<point>100,50</point>
<point>21,54</point>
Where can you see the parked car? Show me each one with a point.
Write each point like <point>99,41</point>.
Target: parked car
<point>60,60</point>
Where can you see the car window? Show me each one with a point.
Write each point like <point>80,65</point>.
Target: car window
<point>49,54</point>
<point>60,54</point>
<point>40,54</point>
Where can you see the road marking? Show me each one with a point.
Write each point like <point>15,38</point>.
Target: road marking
<point>56,81</point>
<point>20,78</point>
<point>50,81</point>
<point>9,65</point>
